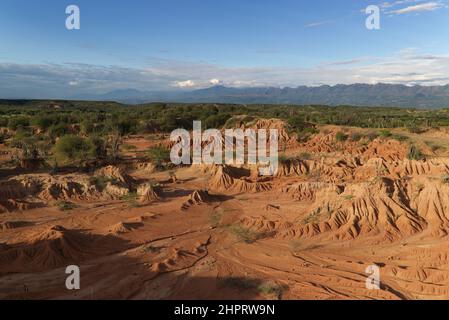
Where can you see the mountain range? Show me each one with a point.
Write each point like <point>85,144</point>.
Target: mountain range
<point>355,94</point>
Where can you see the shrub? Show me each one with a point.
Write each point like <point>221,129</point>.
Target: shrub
<point>305,156</point>
<point>399,137</point>
<point>371,136</point>
<point>159,156</point>
<point>341,136</point>
<point>132,198</point>
<point>66,205</point>
<point>42,122</point>
<point>283,159</point>
<point>303,130</point>
<point>98,147</point>
<point>356,137</point>
<point>272,288</point>
<point>243,234</point>
<point>216,121</point>
<point>73,149</point>
<point>216,217</point>
<point>15,123</point>
<point>385,133</point>
<point>58,130</point>
<point>3,122</point>
<point>413,128</point>
<point>415,154</point>
<point>87,126</point>
<point>129,147</point>
<point>101,181</point>
<point>312,218</point>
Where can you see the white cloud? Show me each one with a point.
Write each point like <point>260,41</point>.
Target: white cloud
<point>409,66</point>
<point>428,6</point>
<point>386,5</point>
<point>184,84</point>
<point>215,82</point>
<point>318,23</point>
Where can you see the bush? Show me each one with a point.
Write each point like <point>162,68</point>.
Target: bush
<point>18,122</point>
<point>66,205</point>
<point>125,126</point>
<point>272,288</point>
<point>101,182</point>
<point>385,133</point>
<point>58,130</point>
<point>98,148</point>
<point>42,122</point>
<point>87,126</point>
<point>303,130</point>
<point>415,154</point>
<point>399,137</point>
<point>73,149</point>
<point>371,136</point>
<point>341,136</point>
<point>283,159</point>
<point>3,122</point>
<point>129,147</point>
<point>356,137</point>
<point>216,121</point>
<point>159,156</point>
<point>243,234</point>
<point>413,128</point>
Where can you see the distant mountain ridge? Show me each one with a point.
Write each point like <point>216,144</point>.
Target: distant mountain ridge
<point>355,94</point>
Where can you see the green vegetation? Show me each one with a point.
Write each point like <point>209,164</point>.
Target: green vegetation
<point>266,288</point>
<point>128,147</point>
<point>399,137</point>
<point>305,156</point>
<point>216,217</point>
<point>243,234</point>
<point>66,206</point>
<point>314,217</point>
<point>132,198</point>
<point>303,129</point>
<point>415,154</point>
<point>159,156</point>
<point>445,179</point>
<point>356,137</point>
<point>83,133</point>
<point>271,288</point>
<point>101,182</point>
<point>75,150</point>
<point>385,133</point>
<point>341,136</point>
<point>283,159</point>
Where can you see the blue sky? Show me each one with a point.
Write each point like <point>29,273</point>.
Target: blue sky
<point>187,44</point>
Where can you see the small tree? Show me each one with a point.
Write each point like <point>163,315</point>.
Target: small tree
<point>415,154</point>
<point>159,156</point>
<point>73,149</point>
<point>341,136</point>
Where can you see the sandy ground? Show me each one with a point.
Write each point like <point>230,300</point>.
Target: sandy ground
<point>216,233</point>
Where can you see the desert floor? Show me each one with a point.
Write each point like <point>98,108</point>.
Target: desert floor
<point>220,232</point>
